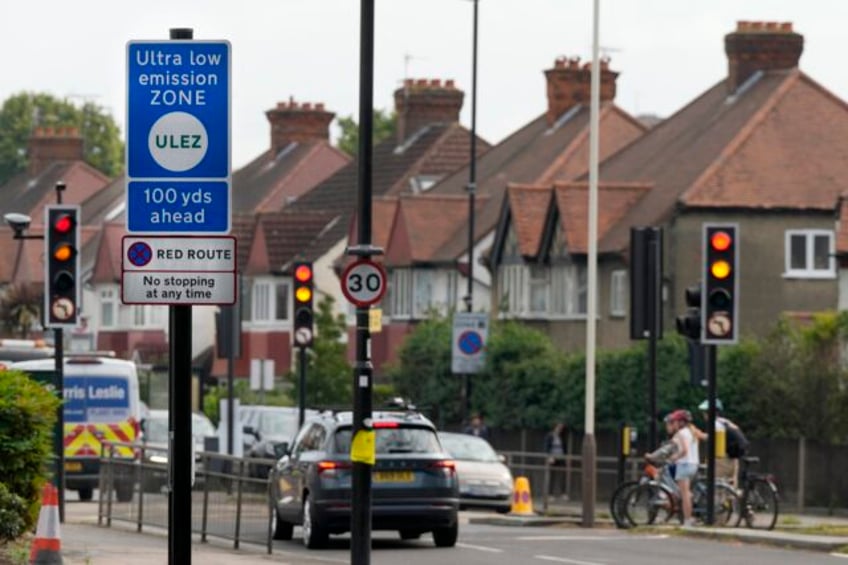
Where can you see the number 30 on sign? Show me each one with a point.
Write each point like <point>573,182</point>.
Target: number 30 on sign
<point>364,282</point>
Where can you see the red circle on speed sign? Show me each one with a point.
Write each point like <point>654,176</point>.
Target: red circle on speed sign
<point>364,282</point>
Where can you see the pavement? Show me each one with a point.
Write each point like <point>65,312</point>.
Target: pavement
<point>85,543</point>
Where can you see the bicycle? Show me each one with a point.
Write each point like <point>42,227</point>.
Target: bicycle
<point>619,496</point>
<point>660,499</point>
<point>759,497</point>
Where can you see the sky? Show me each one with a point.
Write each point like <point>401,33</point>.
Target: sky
<point>667,51</point>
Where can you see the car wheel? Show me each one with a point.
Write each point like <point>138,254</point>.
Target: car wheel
<point>409,534</point>
<point>314,536</point>
<point>282,530</point>
<point>85,493</point>
<point>446,537</point>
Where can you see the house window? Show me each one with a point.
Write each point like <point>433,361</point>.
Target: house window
<point>452,289</point>
<point>512,279</point>
<point>809,254</point>
<point>539,288</point>
<point>423,287</point>
<point>568,289</point>
<point>108,305</point>
<point>618,289</point>
<point>401,285</point>
<point>270,301</point>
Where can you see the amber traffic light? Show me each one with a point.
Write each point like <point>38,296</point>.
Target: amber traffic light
<point>61,280</point>
<point>303,313</point>
<point>720,300</point>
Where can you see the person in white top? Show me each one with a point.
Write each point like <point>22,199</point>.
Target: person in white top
<point>686,458</point>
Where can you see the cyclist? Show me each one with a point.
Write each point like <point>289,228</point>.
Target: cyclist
<point>686,459</point>
<point>727,468</point>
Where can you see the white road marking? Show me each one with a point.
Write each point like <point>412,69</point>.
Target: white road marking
<point>479,547</point>
<point>591,538</point>
<point>564,560</point>
<point>842,555</point>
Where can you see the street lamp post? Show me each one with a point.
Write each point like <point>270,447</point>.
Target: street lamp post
<point>472,189</point>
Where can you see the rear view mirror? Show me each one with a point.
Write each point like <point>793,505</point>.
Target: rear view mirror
<point>250,430</point>
<point>281,449</point>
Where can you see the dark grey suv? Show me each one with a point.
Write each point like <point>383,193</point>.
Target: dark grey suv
<point>415,488</point>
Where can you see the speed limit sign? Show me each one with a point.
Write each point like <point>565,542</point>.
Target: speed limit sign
<point>364,282</point>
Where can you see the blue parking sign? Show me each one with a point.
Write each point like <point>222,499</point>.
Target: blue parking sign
<point>178,137</point>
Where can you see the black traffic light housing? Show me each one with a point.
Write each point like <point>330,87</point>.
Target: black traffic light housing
<point>689,324</point>
<point>61,256</point>
<point>720,300</point>
<point>304,290</point>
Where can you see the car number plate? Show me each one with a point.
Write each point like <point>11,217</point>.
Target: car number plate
<point>73,466</point>
<point>393,477</point>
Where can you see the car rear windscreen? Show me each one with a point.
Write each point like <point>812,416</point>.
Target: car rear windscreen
<point>401,439</point>
<point>97,399</point>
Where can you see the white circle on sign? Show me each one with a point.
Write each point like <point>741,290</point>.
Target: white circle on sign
<point>63,309</point>
<point>364,282</point>
<point>178,141</point>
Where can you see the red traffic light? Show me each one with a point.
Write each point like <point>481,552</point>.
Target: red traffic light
<point>303,273</point>
<point>64,223</point>
<point>721,241</point>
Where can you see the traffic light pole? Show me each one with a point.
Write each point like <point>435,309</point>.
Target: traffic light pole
<point>301,400</point>
<point>710,359</point>
<point>179,420</point>
<point>59,355</point>
<point>362,445</point>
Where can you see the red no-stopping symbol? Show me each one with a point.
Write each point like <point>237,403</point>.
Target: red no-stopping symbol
<point>139,254</point>
<point>470,342</point>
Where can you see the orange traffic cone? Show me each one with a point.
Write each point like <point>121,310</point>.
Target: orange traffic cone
<point>522,502</point>
<point>46,548</point>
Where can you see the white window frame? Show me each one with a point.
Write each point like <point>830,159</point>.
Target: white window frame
<point>538,287</point>
<point>809,271</point>
<point>618,293</point>
<point>401,295</point>
<point>108,297</point>
<point>264,301</point>
<point>422,292</point>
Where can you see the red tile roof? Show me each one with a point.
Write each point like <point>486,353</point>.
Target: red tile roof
<point>528,206</point>
<point>614,201</point>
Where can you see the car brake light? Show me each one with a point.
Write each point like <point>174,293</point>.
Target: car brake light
<point>448,465</point>
<point>378,425</point>
<point>330,467</point>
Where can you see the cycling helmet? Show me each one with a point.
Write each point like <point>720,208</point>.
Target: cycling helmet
<point>679,416</point>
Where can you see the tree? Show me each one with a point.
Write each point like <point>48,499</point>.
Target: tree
<point>385,125</point>
<point>20,309</point>
<point>328,374</point>
<point>103,148</point>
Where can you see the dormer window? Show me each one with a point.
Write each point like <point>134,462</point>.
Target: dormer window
<point>423,183</point>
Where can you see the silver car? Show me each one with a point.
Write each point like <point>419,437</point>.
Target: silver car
<point>484,480</point>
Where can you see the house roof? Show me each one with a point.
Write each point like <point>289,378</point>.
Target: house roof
<point>108,250</point>
<point>528,206</point>
<point>433,151</point>
<point>614,201</point>
<point>280,237</point>
<point>27,194</point>
<point>422,225</point>
<point>270,182</point>
<point>774,144</point>
<point>537,154</point>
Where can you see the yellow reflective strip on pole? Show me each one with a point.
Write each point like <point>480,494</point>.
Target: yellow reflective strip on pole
<point>721,444</point>
<point>625,441</point>
<point>363,448</point>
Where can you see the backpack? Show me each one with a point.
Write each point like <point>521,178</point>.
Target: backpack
<point>737,443</point>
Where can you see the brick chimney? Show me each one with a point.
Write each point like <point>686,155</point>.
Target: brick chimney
<point>48,144</point>
<point>298,122</point>
<point>422,102</point>
<point>570,84</point>
<point>760,46</point>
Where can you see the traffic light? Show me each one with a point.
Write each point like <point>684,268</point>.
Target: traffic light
<point>719,317</point>
<point>303,293</point>
<point>689,324</point>
<point>61,257</point>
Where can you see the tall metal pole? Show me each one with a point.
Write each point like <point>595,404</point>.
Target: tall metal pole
<point>301,400</point>
<point>360,526</point>
<point>654,298</point>
<point>59,354</point>
<point>711,426</point>
<point>589,447</point>
<point>179,420</point>
<point>472,189</point>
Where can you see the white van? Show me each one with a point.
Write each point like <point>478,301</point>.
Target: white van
<point>101,403</point>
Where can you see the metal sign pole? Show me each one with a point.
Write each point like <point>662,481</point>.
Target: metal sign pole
<point>59,348</point>
<point>180,453</point>
<point>362,445</point>
<point>301,401</point>
<point>711,426</point>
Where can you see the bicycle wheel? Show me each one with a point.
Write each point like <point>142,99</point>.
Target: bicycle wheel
<point>618,501</point>
<point>649,503</point>
<point>759,504</point>
<point>726,503</point>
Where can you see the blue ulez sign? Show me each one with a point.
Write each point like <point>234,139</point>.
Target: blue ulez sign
<point>178,137</point>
